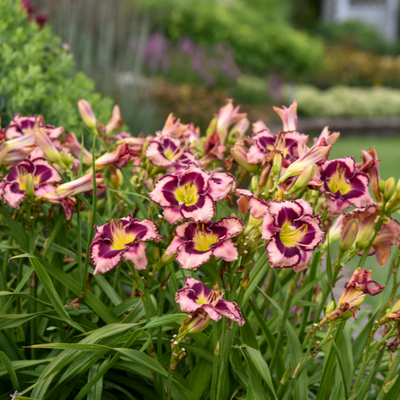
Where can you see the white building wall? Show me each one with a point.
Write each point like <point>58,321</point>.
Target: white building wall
<point>381,14</point>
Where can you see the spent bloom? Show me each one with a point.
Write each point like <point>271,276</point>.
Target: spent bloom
<point>124,237</point>
<point>356,290</point>
<point>292,233</point>
<point>205,304</point>
<point>28,178</point>
<point>191,194</point>
<point>195,243</point>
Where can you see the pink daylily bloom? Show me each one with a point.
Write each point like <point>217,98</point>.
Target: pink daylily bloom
<point>83,184</point>
<point>169,152</point>
<point>288,117</point>
<point>122,238</point>
<point>115,121</point>
<point>344,185</point>
<point>196,298</point>
<point>227,116</point>
<point>292,233</point>
<point>87,114</point>
<point>194,243</point>
<point>119,158</point>
<point>173,127</point>
<point>71,142</point>
<point>287,143</point>
<point>191,194</point>
<point>28,178</point>
<point>21,126</point>
<point>249,201</point>
<point>317,155</point>
<point>370,166</point>
<point>387,236</point>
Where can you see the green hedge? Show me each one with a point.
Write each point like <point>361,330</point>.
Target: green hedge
<point>37,73</point>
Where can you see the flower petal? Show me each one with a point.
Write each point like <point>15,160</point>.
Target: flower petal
<point>196,175</point>
<point>280,256</point>
<point>226,250</point>
<point>227,227</point>
<point>221,184</point>
<point>229,310</point>
<point>202,211</point>
<point>172,215</point>
<point>163,192</point>
<point>12,194</point>
<point>285,211</point>
<point>45,172</point>
<point>186,299</point>
<point>268,229</point>
<point>137,255</point>
<point>173,246</point>
<point>103,257</point>
<point>189,258</point>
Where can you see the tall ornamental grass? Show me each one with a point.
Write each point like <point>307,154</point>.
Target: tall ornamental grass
<point>189,265</point>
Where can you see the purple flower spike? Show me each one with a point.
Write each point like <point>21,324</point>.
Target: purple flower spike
<point>194,244</point>
<point>196,298</point>
<point>124,237</point>
<point>28,178</point>
<point>344,185</point>
<point>292,233</point>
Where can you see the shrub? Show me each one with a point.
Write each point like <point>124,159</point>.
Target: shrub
<point>37,72</point>
<point>342,101</point>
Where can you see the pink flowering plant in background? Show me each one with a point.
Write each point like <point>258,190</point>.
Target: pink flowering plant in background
<point>220,263</point>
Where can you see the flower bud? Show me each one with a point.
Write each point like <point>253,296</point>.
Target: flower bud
<point>44,142</point>
<point>195,324</point>
<point>365,239</point>
<point>116,177</point>
<point>330,307</point>
<point>304,178</point>
<point>240,157</point>
<point>348,234</point>
<point>277,164</point>
<point>87,114</point>
<point>254,183</point>
<point>387,188</point>
<point>29,185</point>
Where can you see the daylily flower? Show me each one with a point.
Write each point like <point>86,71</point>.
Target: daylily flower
<point>119,158</point>
<point>71,142</point>
<point>356,291</point>
<point>288,117</point>
<point>122,238</point>
<point>227,116</point>
<point>83,184</point>
<point>173,127</point>
<point>68,203</point>
<point>194,243</point>
<point>240,154</point>
<point>204,304</point>
<point>317,154</point>
<point>191,194</point>
<point>370,166</point>
<point>287,143</point>
<point>16,150</point>
<point>28,178</point>
<point>292,233</point>
<point>169,152</point>
<point>387,236</point>
<point>87,114</point>
<point>344,185</point>
<point>115,121</point>
<point>21,126</point>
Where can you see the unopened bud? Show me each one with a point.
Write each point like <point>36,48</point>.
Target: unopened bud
<point>388,188</point>
<point>166,259</point>
<point>277,164</point>
<point>304,178</point>
<point>240,157</point>
<point>195,324</point>
<point>348,234</point>
<point>87,114</point>
<point>29,185</point>
<point>330,307</point>
<point>365,240</point>
<point>116,177</point>
<point>254,183</point>
<point>212,127</point>
<point>45,143</point>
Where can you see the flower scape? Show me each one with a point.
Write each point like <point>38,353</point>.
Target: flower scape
<point>188,266</point>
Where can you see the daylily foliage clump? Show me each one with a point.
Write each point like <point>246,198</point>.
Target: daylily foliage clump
<point>176,264</point>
